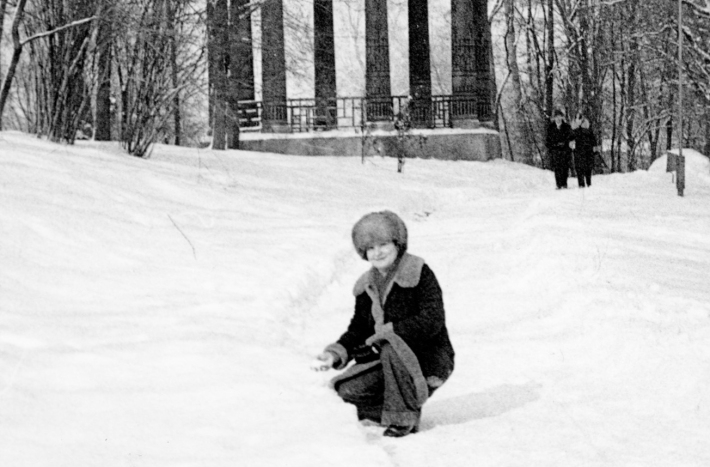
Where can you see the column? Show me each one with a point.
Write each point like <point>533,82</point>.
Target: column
<point>241,64</point>
<point>419,64</point>
<point>485,76</point>
<point>324,58</point>
<point>274,116</point>
<point>243,49</point>
<point>470,70</point>
<point>377,64</point>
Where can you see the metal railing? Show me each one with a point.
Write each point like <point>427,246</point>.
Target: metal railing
<point>307,115</point>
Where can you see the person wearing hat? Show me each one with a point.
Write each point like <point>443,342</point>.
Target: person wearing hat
<point>559,136</point>
<point>397,337</point>
<point>584,145</point>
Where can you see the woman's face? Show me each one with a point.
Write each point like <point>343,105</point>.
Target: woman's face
<point>382,255</point>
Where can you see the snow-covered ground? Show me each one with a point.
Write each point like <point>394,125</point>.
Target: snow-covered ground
<point>164,312</point>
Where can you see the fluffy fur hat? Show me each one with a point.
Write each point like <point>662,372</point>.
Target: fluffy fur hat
<point>379,227</point>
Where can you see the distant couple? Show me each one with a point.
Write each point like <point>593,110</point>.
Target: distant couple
<point>562,139</point>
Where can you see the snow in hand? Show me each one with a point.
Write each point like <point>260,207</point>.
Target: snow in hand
<point>164,312</point>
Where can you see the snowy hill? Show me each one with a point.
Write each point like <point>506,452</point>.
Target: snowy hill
<point>164,312</point>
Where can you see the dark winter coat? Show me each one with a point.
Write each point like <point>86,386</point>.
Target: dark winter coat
<point>557,141</point>
<point>413,312</point>
<point>585,141</point>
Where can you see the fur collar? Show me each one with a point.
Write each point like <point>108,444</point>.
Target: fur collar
<point>407,275</point>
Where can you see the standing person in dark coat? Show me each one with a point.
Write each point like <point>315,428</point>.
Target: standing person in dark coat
<point>397,335</point>
<point>585,145</point>
<point>559,135</point>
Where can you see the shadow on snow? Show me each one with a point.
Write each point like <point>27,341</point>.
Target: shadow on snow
<point>474,406</point>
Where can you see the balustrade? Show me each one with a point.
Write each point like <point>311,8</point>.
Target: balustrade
<point>307,115</point>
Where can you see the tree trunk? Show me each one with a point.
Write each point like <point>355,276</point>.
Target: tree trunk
<point>621,114</point>
<point>217,25</point>
<point>172,27</point>
<point>520,145</point>
<point>3,7</point>
<point>549,65</point>
<point>585,69</point>
<point>211,62</point>
<point>102,116</point>
<point>17,51</point>
<point>537,119</point>
<point>630,104</point>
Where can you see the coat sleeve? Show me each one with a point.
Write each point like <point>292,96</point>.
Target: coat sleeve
<point>568,136</point>
<point>430,319</point>
<point>361,325</point>
<point>548,137</point>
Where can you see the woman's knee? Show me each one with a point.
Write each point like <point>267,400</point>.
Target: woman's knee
<point>360,390</point>
<point>348,391</point>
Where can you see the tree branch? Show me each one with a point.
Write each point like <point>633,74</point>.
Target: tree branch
<point>59,29</point>
<point>701,6</point>
<point>194,253</point>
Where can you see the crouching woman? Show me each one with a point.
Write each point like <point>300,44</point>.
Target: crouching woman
<point>397,336</point>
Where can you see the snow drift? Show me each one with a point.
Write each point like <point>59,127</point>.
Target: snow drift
<point>164,311</point>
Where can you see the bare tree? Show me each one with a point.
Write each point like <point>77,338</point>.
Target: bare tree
<point>520,143</point>
<point>18,46</point>
<point>3,8</point>
<point>156,62</point>
<point>697,62</point>
<point>58,63</point>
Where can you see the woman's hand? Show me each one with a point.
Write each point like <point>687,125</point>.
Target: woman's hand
<point>323,362</point>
